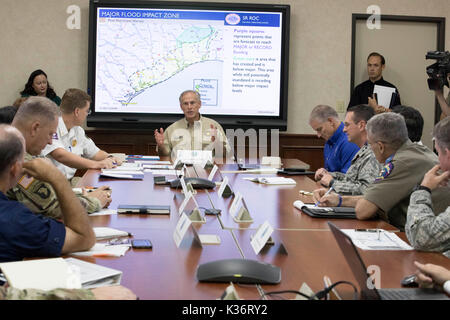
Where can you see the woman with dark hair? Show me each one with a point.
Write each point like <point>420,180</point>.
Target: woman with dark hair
<point>38,85</point>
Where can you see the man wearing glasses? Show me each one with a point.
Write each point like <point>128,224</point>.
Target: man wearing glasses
<point>405,164</point>
<point>71,149</point>
<point>364,167</point>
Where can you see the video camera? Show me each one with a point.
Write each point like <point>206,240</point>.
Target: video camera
<point>437,72</point>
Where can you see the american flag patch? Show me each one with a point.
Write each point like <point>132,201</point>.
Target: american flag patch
<point>26,181</point>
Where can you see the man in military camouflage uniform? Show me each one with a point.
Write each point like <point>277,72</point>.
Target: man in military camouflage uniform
<point>37,195</point>
<point>425,230</point>
<point>364,167</point>
<point>102,293</point>
<point>405,165</point>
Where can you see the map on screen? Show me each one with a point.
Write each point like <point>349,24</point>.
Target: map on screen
<point>146,57</point>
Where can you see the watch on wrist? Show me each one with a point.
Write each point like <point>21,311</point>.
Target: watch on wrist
<point>330,184</point>
<point>420,187</point>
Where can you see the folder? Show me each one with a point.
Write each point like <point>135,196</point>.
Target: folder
<point>146,209</point>
<point>138,175</point>
<point>55,273</point>
<point>326,212</point>
<point>93,275</point>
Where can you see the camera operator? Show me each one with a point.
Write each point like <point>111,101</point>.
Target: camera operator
<point>439,76</point>
<point>445,104</point>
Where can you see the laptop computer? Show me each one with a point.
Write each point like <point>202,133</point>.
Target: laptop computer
<point>358,268</point>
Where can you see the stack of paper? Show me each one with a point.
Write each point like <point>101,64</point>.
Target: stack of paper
<point>103,212</point>
<point>104,250</point>
<point>133,166</point>
<point>141,157</point>
<point>384,95</point>
<point>102,233</point>
<point>152,162</point>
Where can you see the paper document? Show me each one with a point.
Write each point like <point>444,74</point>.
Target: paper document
<point>104,250</point>
<point>194,156</point>
<point>94,275</point>
<point>120,156</point>
<point>43,274</point>
<point>141,157</point>
<point>262,170</point>
<point>300,204</point>
<point>137,175</point>
<point>104,212</point>
<point>376,239</point>
<point>162,172</point>
<point>384,95</point>
<point>102,233</point>
<point>121,171</point>
<point>158,166</point>
<point>209,239</point>
<point>133,166</point>
<point>152,162</point>
<point>272,180</point>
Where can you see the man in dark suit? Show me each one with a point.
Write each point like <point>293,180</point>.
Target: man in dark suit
<point>363,93</point>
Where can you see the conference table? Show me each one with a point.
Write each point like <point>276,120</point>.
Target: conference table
<point>304,247</point>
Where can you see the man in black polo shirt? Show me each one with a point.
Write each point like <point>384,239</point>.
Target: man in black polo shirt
<point>363,93</point>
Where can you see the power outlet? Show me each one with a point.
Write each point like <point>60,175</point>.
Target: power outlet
<point>340,106</point>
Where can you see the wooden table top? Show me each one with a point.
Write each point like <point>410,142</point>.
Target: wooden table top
<point>168,272</point>
<point>313,254</point>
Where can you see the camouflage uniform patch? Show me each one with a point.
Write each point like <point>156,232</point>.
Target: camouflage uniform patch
<point>40,197</point>
<point>56,294</point>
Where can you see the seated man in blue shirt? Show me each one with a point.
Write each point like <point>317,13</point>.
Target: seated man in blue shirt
<point>23,233</point>
<point>338,151</point>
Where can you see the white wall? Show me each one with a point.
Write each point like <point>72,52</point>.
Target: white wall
<point>35,36</point>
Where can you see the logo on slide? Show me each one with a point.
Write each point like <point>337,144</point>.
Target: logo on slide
<point>233,18</point>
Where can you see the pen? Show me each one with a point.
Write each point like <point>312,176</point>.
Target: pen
<point>378,231</point>
<point>90,189</point>
<point>103,255</point>
<point>326,193</point>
